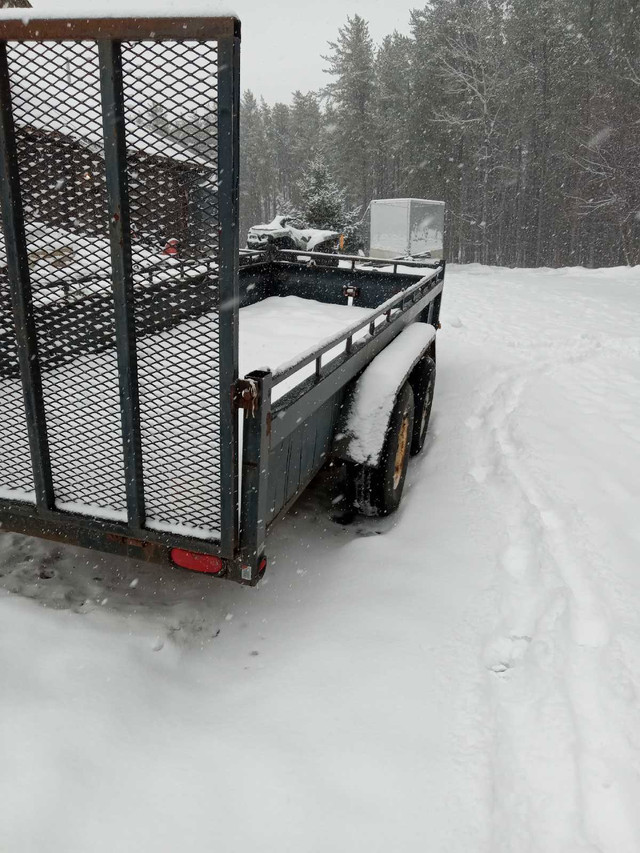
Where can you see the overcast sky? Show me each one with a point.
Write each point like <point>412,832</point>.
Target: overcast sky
<point>282,40</point>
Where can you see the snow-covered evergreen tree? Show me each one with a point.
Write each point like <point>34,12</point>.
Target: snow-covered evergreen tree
<point>524,117</point>
<point>255,165</point>
<point>323,203</point>
<point>351,64</point>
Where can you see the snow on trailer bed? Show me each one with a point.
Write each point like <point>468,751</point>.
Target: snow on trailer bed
<point>272,332</point>
<point>275,331</point>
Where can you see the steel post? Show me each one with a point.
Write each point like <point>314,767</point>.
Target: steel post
<point>256,441</point>
<point>22,303</point>
<point>121,273</point>
<point>228,167</point>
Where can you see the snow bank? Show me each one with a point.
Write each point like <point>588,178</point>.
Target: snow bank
<point>375,393</point>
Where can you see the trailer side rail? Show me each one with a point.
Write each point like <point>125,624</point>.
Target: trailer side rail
<point>291,255</point>
<point>399,302</point>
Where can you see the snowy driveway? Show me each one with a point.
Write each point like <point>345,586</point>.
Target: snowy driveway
<point>462,678</point>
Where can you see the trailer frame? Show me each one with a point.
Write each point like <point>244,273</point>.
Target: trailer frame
<point>277,464</point>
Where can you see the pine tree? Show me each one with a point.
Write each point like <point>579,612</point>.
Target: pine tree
<point>393,96</point>
<point>323,204</point>
<point>523,117</point>
<point>607,156</point>
<point>280,139</point>
<point>351,63</point>
<point>307,119</point>
<point>435,150</point>
<point>254,190</point>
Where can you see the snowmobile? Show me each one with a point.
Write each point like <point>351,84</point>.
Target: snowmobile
<point>282,234</point>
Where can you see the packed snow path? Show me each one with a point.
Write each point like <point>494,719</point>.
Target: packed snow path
<point>462,678</point>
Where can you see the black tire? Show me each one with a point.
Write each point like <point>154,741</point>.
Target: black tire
<point>332,260</point>
<point>423,380</point>
<point>378,491</point>
<point>284,243</point>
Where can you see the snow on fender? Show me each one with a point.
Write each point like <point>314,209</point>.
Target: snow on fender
<point>369,409</point>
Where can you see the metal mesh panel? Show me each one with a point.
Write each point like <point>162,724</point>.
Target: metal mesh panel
<point>170,100</point>
<point>56,104</point>
<point>171,113</point>
<point>16,479</point>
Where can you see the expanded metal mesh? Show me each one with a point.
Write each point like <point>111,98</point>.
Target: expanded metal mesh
<point>16,479</point>
<point>170,108</point>
<point>170,99</point>
<point>55,88</point>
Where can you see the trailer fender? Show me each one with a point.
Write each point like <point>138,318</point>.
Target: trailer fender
<point>367,409</point>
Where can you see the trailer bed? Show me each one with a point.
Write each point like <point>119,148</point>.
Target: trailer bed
<point>130,365</point>
<point>276,330</point>
<point>272,332</point>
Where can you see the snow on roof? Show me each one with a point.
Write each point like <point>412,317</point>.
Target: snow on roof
<point>67,256</point>
<point>58,89</point>
<point>49,9</point>
<point>400,201</point>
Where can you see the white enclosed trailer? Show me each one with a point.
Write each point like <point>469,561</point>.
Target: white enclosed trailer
<point>401,227</point>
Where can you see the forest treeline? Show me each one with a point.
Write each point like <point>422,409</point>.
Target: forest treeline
<point>524,116</point>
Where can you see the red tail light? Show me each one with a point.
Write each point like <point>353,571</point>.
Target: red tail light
<point>208,563</point>
<point>171,247</point>
<point>262,567</point>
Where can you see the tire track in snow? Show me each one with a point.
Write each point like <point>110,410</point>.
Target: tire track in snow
<point>561,788</point>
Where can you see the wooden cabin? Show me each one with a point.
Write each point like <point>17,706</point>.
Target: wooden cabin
<point>171,197</point>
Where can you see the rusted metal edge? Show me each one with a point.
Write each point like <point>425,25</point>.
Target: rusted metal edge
<point>123,29</point>
<point>90,532</point>
<point>246,395</point>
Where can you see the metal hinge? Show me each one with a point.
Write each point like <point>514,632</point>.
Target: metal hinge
<point>246,395</point>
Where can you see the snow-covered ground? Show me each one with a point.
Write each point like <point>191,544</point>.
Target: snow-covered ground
<point>461,678</point>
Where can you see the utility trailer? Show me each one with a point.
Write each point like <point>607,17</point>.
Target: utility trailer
<point>406,227</point>
<point>125,425</point>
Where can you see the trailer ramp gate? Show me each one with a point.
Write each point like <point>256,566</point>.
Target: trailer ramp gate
<point>118,280</point>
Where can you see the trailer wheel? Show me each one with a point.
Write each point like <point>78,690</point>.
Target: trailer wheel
<point>332,259</point>
<point>378,490</point>
<point>329,261</point>
<point>423,380</point>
